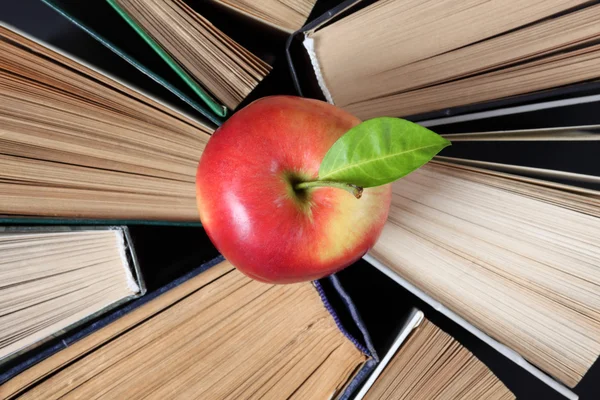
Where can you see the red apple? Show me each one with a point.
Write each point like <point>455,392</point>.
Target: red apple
<point>250,209</point>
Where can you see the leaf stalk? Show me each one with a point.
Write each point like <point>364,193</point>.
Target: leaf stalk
<point>355,190</point>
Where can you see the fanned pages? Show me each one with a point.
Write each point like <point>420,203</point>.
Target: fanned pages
<point>219,335</point>
<point>75,143</point>
<point>192,102</point>
<point>426,56</point>
<point>431,365</point>
<point>51,280</point>
<point>557,70</point>
<point>516,257</point>
<point>287,15</point>
<point>218,63</point>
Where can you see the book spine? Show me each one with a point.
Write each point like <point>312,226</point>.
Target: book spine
<point>337,320</point>
<point>498,112</point>
<point>368,349</point>
<point>506,351</point>
<point>129,259</point>
<point>347,300</point>
<point>366,372</point>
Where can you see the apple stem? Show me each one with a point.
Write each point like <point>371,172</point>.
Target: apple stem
<point>355,190</point>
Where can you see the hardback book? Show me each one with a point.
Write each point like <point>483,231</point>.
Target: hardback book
<point>284,15</point>
<point>421,57</point>
<point>212,334</point>
<point>563,155</point>
<point>76,143</point>
<point>426,363</point>
<point>202,55</point>
<point>129,48</point>
<point>566,112</point>
<point>511,257</point>
<point>56,278</point>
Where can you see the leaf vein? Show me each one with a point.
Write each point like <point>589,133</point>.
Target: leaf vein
<point>359,164</point>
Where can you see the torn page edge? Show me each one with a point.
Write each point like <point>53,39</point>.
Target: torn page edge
<point>309,45</point>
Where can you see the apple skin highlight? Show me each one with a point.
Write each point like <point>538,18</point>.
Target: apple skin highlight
<point>248,205</point>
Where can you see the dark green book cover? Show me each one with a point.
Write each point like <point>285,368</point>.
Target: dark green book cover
<point>203,110</point>
<point>219,109</point>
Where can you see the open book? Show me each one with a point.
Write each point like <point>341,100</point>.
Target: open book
<point>401,58</point>
<point>426,363</point>
<point>55,278</point>
<point>514,256</point>
<point>218,334</point>
<point>76,143</point>
<point>202,55</point>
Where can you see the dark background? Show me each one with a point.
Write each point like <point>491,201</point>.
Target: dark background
<point>167,252</point>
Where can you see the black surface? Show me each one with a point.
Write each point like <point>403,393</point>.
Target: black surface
<point>166,253</point>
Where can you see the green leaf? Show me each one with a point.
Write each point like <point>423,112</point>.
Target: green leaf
<point>379,151</point>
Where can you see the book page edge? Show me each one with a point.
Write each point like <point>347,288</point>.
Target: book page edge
<point>129,278</point>
<point>246,14</point>
<point>107,74</point>
<point>309,45</point>
<point>537,173</point>
<point>413,321</point>
<point>506,351</point>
